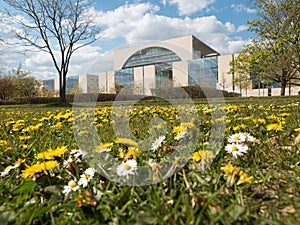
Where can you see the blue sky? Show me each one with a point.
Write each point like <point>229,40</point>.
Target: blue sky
<point>219,23</point>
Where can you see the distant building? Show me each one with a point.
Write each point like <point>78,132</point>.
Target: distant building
<point>48,84</point>
<point>183,61</point>
<point>176,62</point>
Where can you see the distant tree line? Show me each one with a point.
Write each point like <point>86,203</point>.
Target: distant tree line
<point>18,83</point>
<point>273,56</point>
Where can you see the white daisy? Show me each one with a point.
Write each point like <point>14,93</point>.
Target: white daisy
<point>152,163</point>
<point>237,138</point>
<point>127,168</point>
<point>8,169</point>
<point>157,143</point>
<point>252,139</point>
<point>78,153</point>
<point>180,135</point>
<point>68,161</point>
<point>72,186</point>
<point>104,150</point>
<point>86,177</point>
<point>236,149</point>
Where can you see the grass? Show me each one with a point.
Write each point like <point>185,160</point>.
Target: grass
<point>192,195</point>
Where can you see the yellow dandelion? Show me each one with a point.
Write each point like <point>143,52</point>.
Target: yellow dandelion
<point>177,129</point>
<point>10,122</point>
<point>45,119</point>
<point>259,121</point>
<point>20,122</point>
<point>229,169</point>
<point>187,125</point>
<point>207,111</point>
<point>275,118</point>
<point>24,147</point>
<point>51,153</point>
<point>134,152</point>
<point>231,172</point>
<point>58,125</point>
<point>182,127</point>
<point>8,149</point>
<point>3,143</point>
<point>244,178</point>
<point>20,161</point>
<point>24,138</point>
<point>17,127</point>
<point>121,153</point>
<point>30,171</point>
<point>32,128</point>
<point>284,114</point>
<point>275,127</point>
<point>204,155</point>
<point>239,127</point>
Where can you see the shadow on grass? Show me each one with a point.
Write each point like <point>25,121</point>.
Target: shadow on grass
<point>58,104</point>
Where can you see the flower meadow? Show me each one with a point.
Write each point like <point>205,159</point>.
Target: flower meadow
<point>162,167</point>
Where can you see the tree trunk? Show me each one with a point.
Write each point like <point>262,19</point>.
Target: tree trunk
<point>62,88</point>
<point>283,83</point>
<point>282,90</point>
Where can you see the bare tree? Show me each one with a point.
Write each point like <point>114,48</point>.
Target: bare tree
<point>55,25</point>
<point>6,87</point>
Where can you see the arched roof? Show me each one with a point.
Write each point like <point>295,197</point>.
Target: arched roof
<point>151,55</point>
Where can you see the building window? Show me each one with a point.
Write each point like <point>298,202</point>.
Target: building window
<point>49,84</point>
<point>163,75</point>
<point>71,82</point>
<point>124,77</point>
<point>150,56</point>
<point>203,71</point>
<point>258,84</point>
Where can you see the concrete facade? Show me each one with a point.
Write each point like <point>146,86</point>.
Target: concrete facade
<point>185,48</point>
<point>175,62</point>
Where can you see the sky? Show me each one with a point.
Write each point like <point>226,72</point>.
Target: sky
<point>221,24</point>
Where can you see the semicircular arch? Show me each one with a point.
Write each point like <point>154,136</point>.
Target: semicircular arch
<point>151,55</point>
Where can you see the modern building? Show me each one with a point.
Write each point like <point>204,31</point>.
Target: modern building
<point>85,83</point>
<point>176,62</point>
<point>181,61</point>
<point>48,84</point>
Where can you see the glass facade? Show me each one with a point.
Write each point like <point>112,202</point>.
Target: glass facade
<point>163,75</point>
<point>49,84</point>
<point>258,84</point>
<point>203,71</point>
<point>124,77</point>
<point>150,56</point>
<point>71,82</point>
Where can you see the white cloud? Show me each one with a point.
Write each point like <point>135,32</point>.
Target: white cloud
<point>138,23</point>
<point>103,63</point>
<point>164,2</point>
<point>186,7</point>
<point>142,25</point>
<point>80,62</point>
<point>44,75</point>
<point>242,28</point>
<point>242,8</point>
<point>228,45</point>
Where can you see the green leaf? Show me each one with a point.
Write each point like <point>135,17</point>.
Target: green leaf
<point>25,187</point>
<point>236,211</point>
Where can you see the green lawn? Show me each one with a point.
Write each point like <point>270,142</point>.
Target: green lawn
<point>201,183</point>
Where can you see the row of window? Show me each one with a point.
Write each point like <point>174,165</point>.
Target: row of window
<point>200,72</point>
